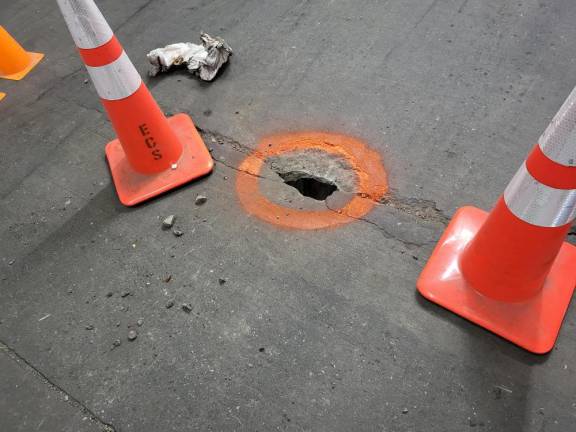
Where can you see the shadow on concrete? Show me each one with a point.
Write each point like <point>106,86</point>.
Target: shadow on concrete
<point>488,359</point>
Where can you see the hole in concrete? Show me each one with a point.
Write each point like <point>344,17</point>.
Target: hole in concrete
<point>309,185</point>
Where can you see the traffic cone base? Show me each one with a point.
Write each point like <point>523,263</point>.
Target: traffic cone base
<point>533,324</point>
<point>34,60</point>
<point>134,188</point>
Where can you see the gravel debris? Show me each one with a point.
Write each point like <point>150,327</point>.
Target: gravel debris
<point>170,304</point>
<point>177,233</point>
<point>187,307</point>
<point>89,327</point>
<point>126,294</point>
<point>132,335</point>
<point>201,199</point>
<point>116,343</point>
<point>221,281</point>
<point>168,222</point>
<point>140,322</point>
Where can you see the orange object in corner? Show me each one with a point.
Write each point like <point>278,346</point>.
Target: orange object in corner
<point>2,95</point>
<point>15,62</point>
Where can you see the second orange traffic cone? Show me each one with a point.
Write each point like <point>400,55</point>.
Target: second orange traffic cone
<point>510,271</point>
<point>15,62</point>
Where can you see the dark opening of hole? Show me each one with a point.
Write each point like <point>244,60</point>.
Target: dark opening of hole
<point>309,186</point>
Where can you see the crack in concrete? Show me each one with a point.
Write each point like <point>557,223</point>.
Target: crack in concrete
<point>77,404</point>
<point>425,210</point>
<point>387,234</point>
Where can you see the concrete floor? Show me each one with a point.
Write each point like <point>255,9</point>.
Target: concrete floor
<point>312,331</point>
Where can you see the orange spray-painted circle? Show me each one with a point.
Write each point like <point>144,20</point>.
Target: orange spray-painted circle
<point>372,183</point>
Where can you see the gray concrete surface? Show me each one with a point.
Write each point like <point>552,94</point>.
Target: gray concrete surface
<point>312,331</point>
<point>29,402</point>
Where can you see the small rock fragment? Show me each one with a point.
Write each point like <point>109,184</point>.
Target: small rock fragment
<point>187,307</point>
<point>140,322</point>
<point>89,327</point>
<point>109,294</point>
<point>169,304</point>
<point>168,222</point>
<point>221,281</point>
<point>132,335</point>
<point>200,199</point>
<point>116,343</point>
<point>11,262</point>
<point>405,411</point>
<point>168,279</point>
<point>126,294</point>
<point>177,233</point>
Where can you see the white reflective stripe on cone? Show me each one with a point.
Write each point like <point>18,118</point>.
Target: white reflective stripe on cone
<point>87,26</point>
<point>538,204</point>
<point>116,80</point>
<point>558,142</point>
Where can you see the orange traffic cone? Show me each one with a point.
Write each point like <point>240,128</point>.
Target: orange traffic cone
<point>15,63</point>
<point>2,95</point>
<point>152,154</point>
<point>510,271</point>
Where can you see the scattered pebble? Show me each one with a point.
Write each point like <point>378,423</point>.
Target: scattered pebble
<point>169,304</point>
<point>262,349</point>
<point>177,233</point>
<point>132,335</point>
<point>140,322</point>
<point>168,222</point>
<point>168,279</point>
<point>126,294</point>
<point>116,343</point>
<point>109,294</point>
<point>85,81</point>
<point>11,262</point>
<point>89,327</point>
<point>118,324</point>
<point>187,307</point>
<point>200,199</point>
<point>221,281</point>
<point>405,411</point>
